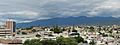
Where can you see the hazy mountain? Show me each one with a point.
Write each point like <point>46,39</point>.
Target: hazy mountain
<point>72,21</point>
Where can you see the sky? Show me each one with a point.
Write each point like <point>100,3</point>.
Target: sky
<point>30,10</point>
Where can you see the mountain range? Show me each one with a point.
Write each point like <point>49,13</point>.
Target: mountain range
<point>81,20</point>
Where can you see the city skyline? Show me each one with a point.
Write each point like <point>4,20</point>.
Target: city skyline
<point>27,11</point>
<point>59,22</point>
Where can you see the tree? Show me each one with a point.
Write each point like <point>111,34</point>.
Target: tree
<point>110,31</point>
<point>79,39</point>
<point>117,32</point>
<point>99,29</point>
<point>38,35</point>
<point>24,33</point>
<point>92,42</point>
<point>85,42</point>
<point>34,30</point>
<point>27,28</point>
<point>18,32</point>
<point>74,30</point>
<point>66,41</point>
<point>32,42</point>
<point>49,42</point>
<point>58,41</point>
<point>91,29</point>
<point>56,29</point>
<point>63,29</point>
<point>104,35</point>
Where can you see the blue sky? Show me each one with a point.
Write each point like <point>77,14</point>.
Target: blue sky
<point>30,10</point>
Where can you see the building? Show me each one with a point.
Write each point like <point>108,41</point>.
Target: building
<point>10,24</point>
<point>8,29</point>
<point>11,41</point>
<point>5,32</point>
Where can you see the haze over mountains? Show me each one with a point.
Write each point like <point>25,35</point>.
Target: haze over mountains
<point>72,21</point>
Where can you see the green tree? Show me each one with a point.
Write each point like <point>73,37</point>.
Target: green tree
<point>66,41</point>
<point>92,42</point>
<point>27,28</point>
<point>58,41</point>
<point>99,29</point>
<point>49,42</point>
<point>32,42</point>
<point>63,29</point>
<point>34,30</point>
<point>104,35</point>
<point>79,39</point>
<point>56,29</point>
<point>110,31</point>
<point>24,33</point>
<point>73,29</point>
<point>91,29</point>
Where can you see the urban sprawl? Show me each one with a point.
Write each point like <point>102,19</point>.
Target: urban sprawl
<point>60,35</point>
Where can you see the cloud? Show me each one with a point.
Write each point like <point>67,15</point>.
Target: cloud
<point>107,8</point>
<point>24,11</point>
<point>22,14</point>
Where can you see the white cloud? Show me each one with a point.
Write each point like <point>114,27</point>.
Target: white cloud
<point>107,8</point>
<point>116,16</point>
<point>21,14</point>
<point>110,4</point>
<point>24,11</point>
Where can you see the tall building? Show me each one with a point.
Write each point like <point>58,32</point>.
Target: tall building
<point>10,24</point>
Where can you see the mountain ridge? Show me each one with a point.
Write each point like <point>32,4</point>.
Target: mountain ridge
<point>72,21</point>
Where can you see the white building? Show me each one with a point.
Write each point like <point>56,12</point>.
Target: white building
<point>5,32</point>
